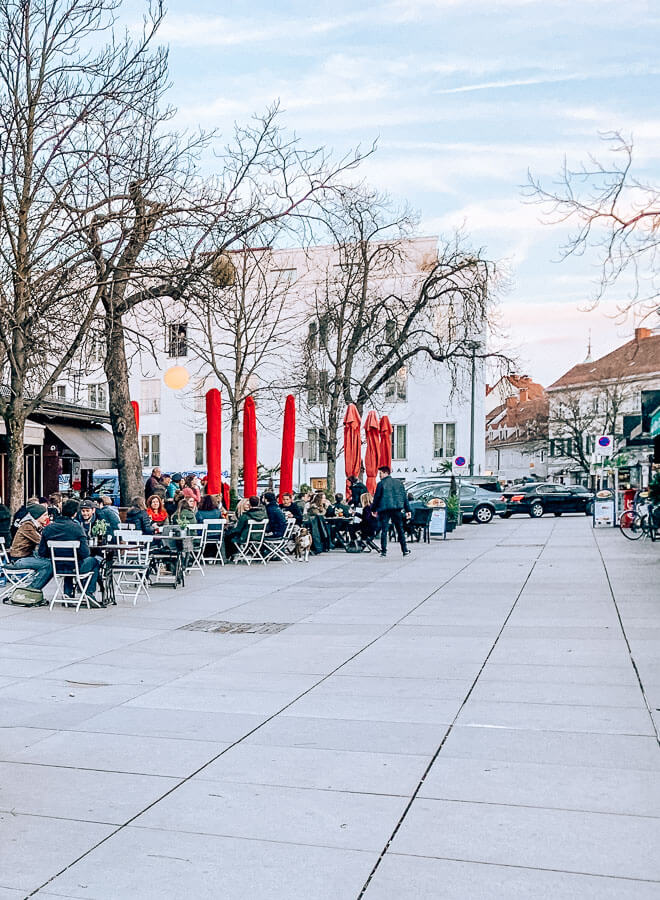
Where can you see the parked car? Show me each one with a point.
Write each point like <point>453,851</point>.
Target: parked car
<point>537,499</point>
<point>476,504</point>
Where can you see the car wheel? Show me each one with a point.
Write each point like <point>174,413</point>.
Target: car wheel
<point>536,510</point>
<point>483,515</point>
<point>557,513</point>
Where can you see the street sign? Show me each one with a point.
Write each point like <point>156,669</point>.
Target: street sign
<point>459,465</point>
<point>604,445</point>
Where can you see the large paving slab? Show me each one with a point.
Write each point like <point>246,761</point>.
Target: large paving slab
<point>473,721</point>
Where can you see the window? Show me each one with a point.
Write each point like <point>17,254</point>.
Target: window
<point>444,440</point>
<point>59,392</point>
<point>96,346</point>
<point>324,385</point>
<point>285,275</point>
<point>312,334</point>
<point>312,388</point>
<point>150,396</point>
<point>318,444</point>
<point>97,396</point>
<point>150,450</point>
<point>390,331</point>
<point>177,339</point>
<point>200,447</point>
<point>396,388</point>
<point>323,332</point>
<point>400,442</point>
<point>199,396</point>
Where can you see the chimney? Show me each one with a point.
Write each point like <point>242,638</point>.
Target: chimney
<point>642,333</point>
<point>524,395</point>
<point>511,402</point>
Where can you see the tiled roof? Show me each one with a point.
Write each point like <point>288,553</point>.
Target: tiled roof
<point>641,356</point>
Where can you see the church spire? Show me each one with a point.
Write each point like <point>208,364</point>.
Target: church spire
<point>588,358</point>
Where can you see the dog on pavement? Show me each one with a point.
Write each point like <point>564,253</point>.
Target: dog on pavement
<point>302,545</point>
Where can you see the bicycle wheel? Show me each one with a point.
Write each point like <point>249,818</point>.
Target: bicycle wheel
<point>631,525</point>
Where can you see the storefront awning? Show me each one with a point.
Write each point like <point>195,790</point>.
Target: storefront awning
<point>94,445</point>
<point>33,434</point>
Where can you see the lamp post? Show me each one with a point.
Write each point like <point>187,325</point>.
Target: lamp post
<point>473,346</point>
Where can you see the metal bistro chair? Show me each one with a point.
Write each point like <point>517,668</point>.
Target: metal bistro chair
<point>131,568</point>
<point>250,550</point>
<point>215,533</point>
<point>420,524</point>
<point>275,548</point>
<point>196,558</point>
<point>64,557</point>
<point>15,578</point>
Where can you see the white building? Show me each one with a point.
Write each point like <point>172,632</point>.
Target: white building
<point>431,422</point>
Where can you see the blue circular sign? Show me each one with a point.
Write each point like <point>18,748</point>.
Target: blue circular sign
<point>459,461</point>
<point>604,441</point>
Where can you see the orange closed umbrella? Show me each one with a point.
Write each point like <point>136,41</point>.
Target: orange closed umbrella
<point>352,444</point>
<point>385,450</point>
<point>372,433</point>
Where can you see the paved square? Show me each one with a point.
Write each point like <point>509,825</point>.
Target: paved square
<point>474,721</point>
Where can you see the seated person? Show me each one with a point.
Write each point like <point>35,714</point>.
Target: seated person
<point>67,529</point>
<point>186,513</point>
<point>276,518</point>
<point>137,515</point>
<point>21,513</point>
<point>414,504</point>
<point>318,505</point>
<point>55,506</point>
<point>238,533</point>
<point>156,509</point>
<point>5,523</point>
<point>87,516</point>
<point>108,514</point>
<point>338,508</point>
<point>289,506</point>
<point>23,551</point>
<point>365,522</point>
<point>210,508</point>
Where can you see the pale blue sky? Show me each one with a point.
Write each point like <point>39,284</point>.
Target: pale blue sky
<point>463,96</point>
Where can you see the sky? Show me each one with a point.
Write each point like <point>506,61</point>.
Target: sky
<point>463,98</point>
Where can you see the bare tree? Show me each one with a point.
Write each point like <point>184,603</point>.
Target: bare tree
<point>376,312</point>
<point>243,328</point>
<point>56,85</point>
<point>614,212</point>
<point>578,415</point>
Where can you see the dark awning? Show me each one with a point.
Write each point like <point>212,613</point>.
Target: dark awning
<point>93,444</point>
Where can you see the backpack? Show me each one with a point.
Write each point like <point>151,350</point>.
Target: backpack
<point>26,597</point>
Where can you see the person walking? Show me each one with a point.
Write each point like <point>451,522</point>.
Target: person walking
<point>389,501</point>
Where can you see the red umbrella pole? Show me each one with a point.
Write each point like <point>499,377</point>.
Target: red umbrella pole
<point>249,449</point>
<point>288,446</point>
<point>213,441</point>
<point>136,413</point>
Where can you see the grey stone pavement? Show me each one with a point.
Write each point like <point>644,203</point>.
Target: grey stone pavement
<point>475,721</point>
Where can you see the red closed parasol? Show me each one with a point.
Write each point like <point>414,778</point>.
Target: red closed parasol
<point>385,450</point>
<point>352,445</point>
<point>226,495</point>
<point>288,446</point>
<point>372,434</point>
<point>213,441</point>
<point>249,449</point>
<point>136,413</point>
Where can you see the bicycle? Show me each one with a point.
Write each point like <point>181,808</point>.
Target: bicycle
<point>639,522</point>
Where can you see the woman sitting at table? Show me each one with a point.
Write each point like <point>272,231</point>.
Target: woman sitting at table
<point>192,483</point>
<point>156,509</point>
<point>319,505</point>
<point>210,508</point>
<point>137,515</point>
<point>186,513</point>
<point>365,522</point>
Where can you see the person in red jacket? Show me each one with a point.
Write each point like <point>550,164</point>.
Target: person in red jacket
<point>156,509</point>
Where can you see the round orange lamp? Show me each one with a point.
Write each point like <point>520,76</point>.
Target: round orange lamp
<point>176,378</point>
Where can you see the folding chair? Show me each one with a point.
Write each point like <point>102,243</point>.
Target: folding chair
<point>215,534</point>
<point>64,557</point>
<point>131,568</point>
<point>420,524</point>
<point>124,526</point>
<point>196,558</point>
<point>275,548</point>
<point>251,549</point>
<point>14,578</point>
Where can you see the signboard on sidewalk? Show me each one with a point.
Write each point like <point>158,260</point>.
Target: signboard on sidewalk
<point>438,524</point>
<point>604,505</point>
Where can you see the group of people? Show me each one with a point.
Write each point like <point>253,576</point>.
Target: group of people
<point>173,500</point>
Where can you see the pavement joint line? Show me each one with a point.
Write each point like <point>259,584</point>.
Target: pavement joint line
<point>248,734</point>
<point>566,809</point>
<point>649,707</point>
<point>415,794</point>
<point>503,865</point>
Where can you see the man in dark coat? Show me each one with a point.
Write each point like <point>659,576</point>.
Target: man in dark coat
<point>154,484</point>
<point>389,501</point>
<point>290,506</point>
<point>67,529</point>
<point>276,518</point>
<point>357,489</point>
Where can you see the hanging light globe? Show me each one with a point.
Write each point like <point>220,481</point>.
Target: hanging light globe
<point>176,378</point>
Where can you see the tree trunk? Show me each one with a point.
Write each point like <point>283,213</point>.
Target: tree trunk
<point>331,441</point>
<point>122,418</point>
<point>15,425</point>
<point>234,448</point>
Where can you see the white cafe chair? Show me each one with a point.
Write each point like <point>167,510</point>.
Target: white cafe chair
<point>64,557</point>
<point>14,578</point>
<point>215,534</point>
<point>196,559</point>
<point>250,550</point>
<point>275,548</point>
<point>130,570</point>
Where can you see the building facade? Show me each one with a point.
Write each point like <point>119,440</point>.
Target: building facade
<point>517,429</point>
